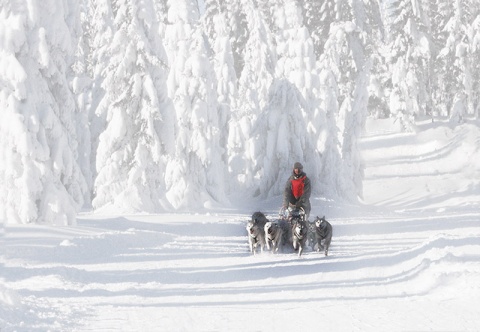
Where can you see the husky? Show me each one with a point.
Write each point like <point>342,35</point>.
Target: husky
<point>256,232</point>
<point>276,234</point>
<point>299,234</point>
<point>259,218</point>
<point>323,234</point>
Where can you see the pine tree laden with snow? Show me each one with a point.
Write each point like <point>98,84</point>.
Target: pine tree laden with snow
<point>132,150</point>
<point>42,181</point>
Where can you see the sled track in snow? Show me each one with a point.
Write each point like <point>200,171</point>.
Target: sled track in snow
<point>201,265</point>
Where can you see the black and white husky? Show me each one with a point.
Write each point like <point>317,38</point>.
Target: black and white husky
<point>276,234</point>
<point>256,232</point>
<point>323,234</point>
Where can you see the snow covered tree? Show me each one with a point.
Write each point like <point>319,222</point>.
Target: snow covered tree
<point>214,15</point>
<point>99,32</point>
<point>279,139</point>
<point>236,20</point>
<point>94,105</point>
<point>296,58</point>
<point>409,61</point>
<point>214,22</point>
<point>253,86</point>
<point>341,49</point>
<point>370,20</point>
<point>328,143</point>
<point>455,59</point>
<point>41,180</point>
<point>80,83</point>
<point>364,39</point>
<point>259,61</point>
<point>132,150</point>
<point>297,63</point>
<point>453,72</point>
<point>472,64</point>
<point>355,117</point>
<point>195,175</point>
<point>379,85</point>
<point>161,10</point>
<point>438,14</point>
<point>319,15</point>
<point>352,42</point>
<point>474,38</point>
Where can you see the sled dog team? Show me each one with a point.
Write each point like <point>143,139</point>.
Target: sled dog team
<point>290,230</point>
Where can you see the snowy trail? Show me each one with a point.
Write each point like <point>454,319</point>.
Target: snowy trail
<point>414,255</point>
<point>108,278</point>
<point>438,167</point>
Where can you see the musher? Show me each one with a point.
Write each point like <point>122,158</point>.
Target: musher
<point>297,190</point>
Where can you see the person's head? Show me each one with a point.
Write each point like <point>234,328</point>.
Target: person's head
<point>297,168</point>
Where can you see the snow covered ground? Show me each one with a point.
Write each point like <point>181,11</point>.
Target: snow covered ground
<point>406,259</point>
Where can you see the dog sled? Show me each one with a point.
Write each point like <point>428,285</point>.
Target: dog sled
<point>292,214</point>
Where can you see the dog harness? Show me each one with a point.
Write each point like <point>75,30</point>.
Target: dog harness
<point>297,186</point>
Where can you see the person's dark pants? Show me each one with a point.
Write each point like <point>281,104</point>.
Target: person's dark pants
<point>306,205</point>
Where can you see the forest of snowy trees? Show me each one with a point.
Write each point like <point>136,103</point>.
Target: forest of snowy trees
<point>174,105</point>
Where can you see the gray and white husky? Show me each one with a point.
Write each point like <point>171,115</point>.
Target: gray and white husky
<point>323,234</point>
<point>256,232</point>
<point>276,234</point>
<point>299,234</point>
